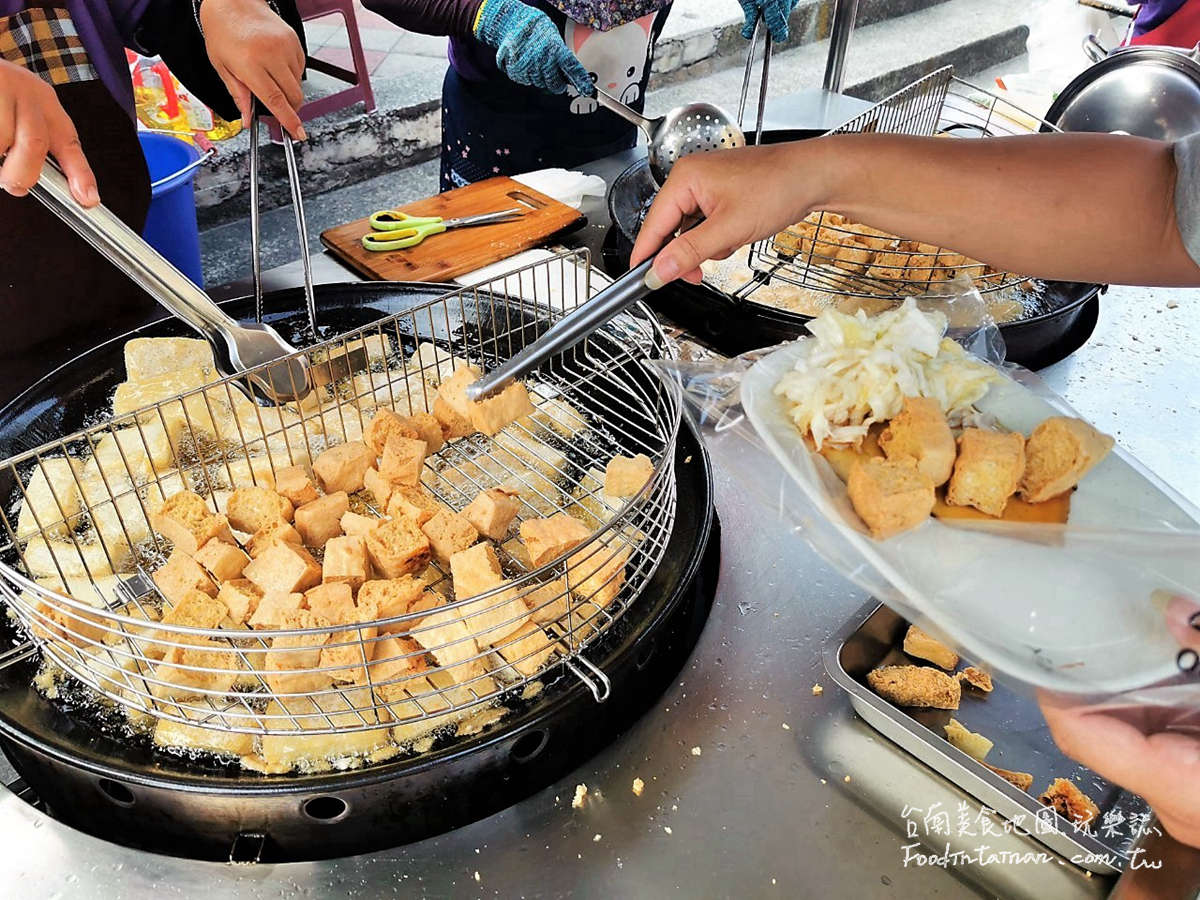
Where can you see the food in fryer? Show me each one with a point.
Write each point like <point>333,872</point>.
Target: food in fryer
<point>920,434</point>
<point>51,501</point>
<point>378,486</point>
<point>284,568</point>
<point>413,502</point>
<point>975,678</point>
<point>550,538</point>
<point>969,742</point>
<point>222,561</point>
<point>493,413</point>
<point>345,561</point>
<point>403,460</point>
<point>398,547</point>
<point>385,424</point>
<point>274,607</point>
<point>1069,801</point>
<point>357,524</point>
<point>598,571</point>
<point>448,533</point>
<point>987,470</point>
<point>241,597</point>
<point>1021,780</point>
<point>342,467</point>
<point>492,618</point>
<point>890,497</point>
<point>492,511</point>
<point>1058,453</point>
<point>251,508</point>
<point>915,686</point>
<point>275,533</point>
<point>294,485</point>
<point>452,407</point>
<point>181,575</point>
<point>624,476</point>
<point>321,520</point>
<point>919,644</point>
<point>149,358</point>
<point>187,522</point>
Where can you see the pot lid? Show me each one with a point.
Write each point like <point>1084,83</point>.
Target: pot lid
<point>1151,92</point>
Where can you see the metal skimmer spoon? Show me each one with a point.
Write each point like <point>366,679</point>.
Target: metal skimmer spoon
<point>694,128</point>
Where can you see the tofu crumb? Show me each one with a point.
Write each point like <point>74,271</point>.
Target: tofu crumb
<point>846,779</point>
<point>596,838</point>
<point>787,727</point>
<point>638,787</point>
<point>477,876</point>
<point>696,751</point>
<point>667,829</point>
<point>581,791</point>
<point>687,459</point>
<point>818,690</point>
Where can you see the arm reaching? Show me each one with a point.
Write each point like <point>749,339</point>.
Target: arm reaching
<point>1072,207</point>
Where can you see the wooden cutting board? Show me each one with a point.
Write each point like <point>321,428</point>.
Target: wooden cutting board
<point>445,256</point>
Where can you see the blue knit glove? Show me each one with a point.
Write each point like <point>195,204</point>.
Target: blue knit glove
<point>529,49</point>
<point>774,12</point>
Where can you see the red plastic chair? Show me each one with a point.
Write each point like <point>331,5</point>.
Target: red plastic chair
<point>359,80</point>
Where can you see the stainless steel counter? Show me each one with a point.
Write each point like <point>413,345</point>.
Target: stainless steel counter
<point>754,786</point>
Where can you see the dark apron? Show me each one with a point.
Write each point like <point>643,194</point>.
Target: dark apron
<point>58,295</point>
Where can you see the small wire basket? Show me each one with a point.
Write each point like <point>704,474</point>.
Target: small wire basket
<point>827,253</point>
<point>79,565</point>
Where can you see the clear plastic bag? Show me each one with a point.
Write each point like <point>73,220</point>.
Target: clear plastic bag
<point>1107,605</point>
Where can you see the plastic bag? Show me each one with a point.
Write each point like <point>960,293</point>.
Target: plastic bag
<point>1107,605</point>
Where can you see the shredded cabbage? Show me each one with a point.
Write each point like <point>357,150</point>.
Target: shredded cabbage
<point>857,369</point>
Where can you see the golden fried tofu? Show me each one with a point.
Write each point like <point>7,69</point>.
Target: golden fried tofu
<point>250,509</point>
<point>448,533</point>
<point>915,686</point>
<point>378,486</point>
<point>402,460</point>
<point>972,743</point>
<point>332,600</point>
<point>890,497</point>
<point>1021,780</point>
<point>450,641</point>
<point>180,575</point>
<point>221,560</point>
<point>342,468</point>
<point>241,597</point>
<point>1058,454</point>
<point>624,476</point>
<point>284,568</point>
<point>975,678</point>
<point>186,521</point>
<point>51,500</point>
<point>987,471</point>
<point>357,525</point>
<point>321,519</point>
<point>1069,801</point>
<point>346,562</point>
<point>413,502</point>
<point>385,424</point>
<point>474,571</point>
<point>293,657</point>
<point>452,408</point>
<point>492,511</point>
<point>428,429</point>
<point>919,434</point>
<point>398,547</point>
<point>547,539</point>
<point>275,533</point>
<point>527,649</point>
<point>394,657</point>
<point>293,484</point>
<point>597,571</point>
<point>273,609</point>
<point>200,668</point>
<point>919,644</point>
<point>549,602</point>
<point>391,597</point>
<point>493,413</point>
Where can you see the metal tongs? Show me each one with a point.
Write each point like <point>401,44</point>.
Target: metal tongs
<point>281,374</point>
<point>631,287</point>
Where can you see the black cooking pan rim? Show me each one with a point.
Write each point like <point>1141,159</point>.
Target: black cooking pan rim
<point>246,783</point>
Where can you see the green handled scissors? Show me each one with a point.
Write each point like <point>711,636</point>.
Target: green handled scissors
<point>398,231</point>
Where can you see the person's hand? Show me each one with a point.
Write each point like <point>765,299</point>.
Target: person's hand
<point>1152,751</point>
<point>529,49</point>
<point>256,54</point>
<point>774,12</point>
<point>32,124</point>
<point>743,194</point>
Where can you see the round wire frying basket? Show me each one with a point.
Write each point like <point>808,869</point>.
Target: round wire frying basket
<point>83,567</point>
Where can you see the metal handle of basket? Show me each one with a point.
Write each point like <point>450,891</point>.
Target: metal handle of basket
<point>127,250</point>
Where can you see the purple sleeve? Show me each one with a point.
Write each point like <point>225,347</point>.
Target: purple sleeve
<point>437,17</point>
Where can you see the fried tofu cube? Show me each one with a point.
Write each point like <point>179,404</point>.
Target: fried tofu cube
<point>284,568</point>
<point>51,500</point>
<point>492,511</point>
<point>196,609</point>
<point>275,533</point>
<point>171,734</point>
<point>527,649</point>
<point>919,644</point>
<point>448,533</point>
<point>890,497</point>
<point>973,744</point>
<point>413,502</point>
<point>624,476</point>
<point>294,485</point>
<point>1020,780</point>
<point>920,434</point>
<point>426,603</point>
<point>180,575</point>
<point>201,668</point>
<point>321,519</point>
<point>67,559</point>
<point>597,572</point>
<point>451,407</point>
<point>988,469</point>
<point>252,508</point>
<point>428,429</point>
<point>63,623</point>
<point>150,358</point>
<point>274,608</point>
<point>398,547</point>
<point>342,468</point>
<point>241,597</point>
<point>549,602</point>
<point>333,601</point>
<point>402,461</point>
<point>1058,454</point>
<point>449,641</point>
<point>492,618</point>
<point>378,486</point>
<point>292,658</point>
<point>356,525</point>
<point>385,424</point>
<point>1069,801</point>
<point>186,521</point>
<point>547,539</point>
<point>346,562</point>
<point>915,686</point>
<point>395,657</point>
<point>391,597</point>
<point>975,678</point>
<point>222,561</point>
<point>493,413</point>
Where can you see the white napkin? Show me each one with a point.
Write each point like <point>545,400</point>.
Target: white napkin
<point>564,186</point>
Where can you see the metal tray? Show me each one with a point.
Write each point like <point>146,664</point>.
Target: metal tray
<point>873,638</point>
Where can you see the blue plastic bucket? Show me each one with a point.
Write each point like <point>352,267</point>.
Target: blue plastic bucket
<point>171,221</point>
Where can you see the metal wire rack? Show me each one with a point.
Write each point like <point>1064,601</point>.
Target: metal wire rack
<point>830,254</point>
<point>79,565</point>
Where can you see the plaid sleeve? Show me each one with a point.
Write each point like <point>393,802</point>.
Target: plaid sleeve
<point>46,42</point>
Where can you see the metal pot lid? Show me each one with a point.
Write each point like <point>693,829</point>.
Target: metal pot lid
<point>1151,92</point>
